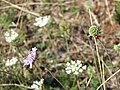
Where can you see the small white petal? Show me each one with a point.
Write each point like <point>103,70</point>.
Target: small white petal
<point>37,84</point>
<point>80,65</point>
<point>6,34</point>
<point>73,69</point>
<point>8,39</point>
<point>41,81</point>
<point>72,62</point>
<point>78,62</point>
<point>38,19</point>
<point>84,67</point>
<point>76,73</point>
<point>77,68</point>
<point>68,71</point>
<point>80,70</point>
<point>119,44</point>
<point>68,68</point>
<point>35,87</point>
<point>36,24</point>
<point>68,64</point>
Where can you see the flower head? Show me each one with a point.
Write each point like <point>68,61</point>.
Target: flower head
<point>31,57</point>
<point>74,67</point>
<point>37,85</point>
<point>10,35</point>
<point>41,21</point>
<point>93,30</point>
<point>11,61</point>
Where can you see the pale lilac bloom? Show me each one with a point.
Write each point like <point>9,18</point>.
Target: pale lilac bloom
<point>30,58</point>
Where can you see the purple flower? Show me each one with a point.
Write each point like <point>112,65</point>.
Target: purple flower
<point>30,58</point>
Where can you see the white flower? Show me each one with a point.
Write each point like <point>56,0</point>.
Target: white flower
<point>41,21</point>
<point>11,62</point>
<point>75,67</point>
<point>37,85</point>
<point>10,35</point>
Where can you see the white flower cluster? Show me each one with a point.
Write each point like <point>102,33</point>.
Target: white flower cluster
<point>41,21</point>
<point>10,35</point>
<point>37,85</point>
<point>74,67</point>
<point>11,62</point>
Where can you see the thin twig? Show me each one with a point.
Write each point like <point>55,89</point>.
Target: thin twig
<point>97,50</point>
<point>90,17</point>
<point>22,9</point>
<point>108,79</point>
<point>108,12</point>
<point>78,84</point>
<point>28,4</point>
<point>91,44</point>
<point>103,74</point>
<point>89,80</point>
<point>109,60</point>
<point>6,85</point>
<point>94,17</point>
<point>98,57</point>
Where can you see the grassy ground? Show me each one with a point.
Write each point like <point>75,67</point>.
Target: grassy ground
<point>66,40</point>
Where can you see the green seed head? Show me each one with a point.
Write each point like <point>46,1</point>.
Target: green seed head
<point>93,30</point>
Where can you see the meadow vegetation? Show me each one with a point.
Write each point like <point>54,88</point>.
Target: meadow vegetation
<point>59,45</point>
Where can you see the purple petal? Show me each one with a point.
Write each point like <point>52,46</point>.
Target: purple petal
<point>30,58</point>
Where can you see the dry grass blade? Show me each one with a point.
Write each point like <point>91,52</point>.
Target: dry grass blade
<point>22,9</point>
<point>108,79</point>
<point>6,85</point>
<point>108,11</point>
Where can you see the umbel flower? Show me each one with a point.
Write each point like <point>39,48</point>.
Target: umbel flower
<point>37,85</point>
<point>31,57</point>
<point>11,62</point>
<point>74,67</point>
<point>41,21</point>
<point>10,35</point>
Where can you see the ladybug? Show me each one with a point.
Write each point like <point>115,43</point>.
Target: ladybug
<point>96,36</point>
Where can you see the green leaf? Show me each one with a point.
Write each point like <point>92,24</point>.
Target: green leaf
<point>116,47</point>
<point>94,82</point>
